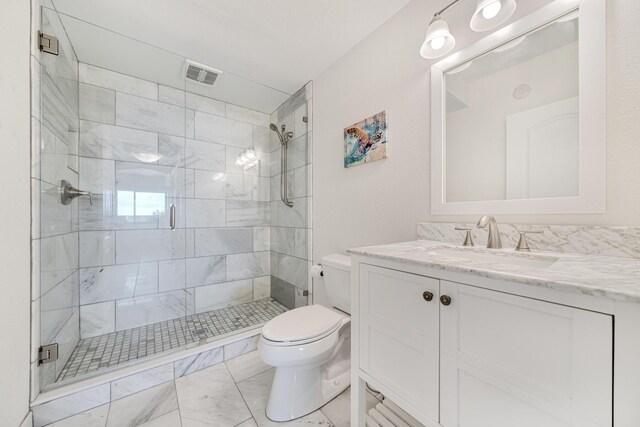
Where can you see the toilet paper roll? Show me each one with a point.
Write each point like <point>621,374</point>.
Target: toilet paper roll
<point>316,271</point>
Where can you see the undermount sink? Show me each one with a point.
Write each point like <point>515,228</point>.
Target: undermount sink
<point>504,258</point>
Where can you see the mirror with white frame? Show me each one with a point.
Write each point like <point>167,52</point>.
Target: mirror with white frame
<point>518,117</point>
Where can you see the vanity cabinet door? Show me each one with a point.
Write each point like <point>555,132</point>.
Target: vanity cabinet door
<point>398,331</point>
<point>513,361</point>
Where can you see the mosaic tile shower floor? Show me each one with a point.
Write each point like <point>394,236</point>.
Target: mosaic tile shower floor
<point>109,350</point>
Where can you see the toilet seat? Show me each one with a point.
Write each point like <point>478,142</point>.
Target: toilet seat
<point>302,325</point>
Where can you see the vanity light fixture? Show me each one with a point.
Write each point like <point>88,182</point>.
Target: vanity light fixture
<point>489,14</point>
<point>439,40</point>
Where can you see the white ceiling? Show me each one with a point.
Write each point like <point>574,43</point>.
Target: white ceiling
<point>267,48</point>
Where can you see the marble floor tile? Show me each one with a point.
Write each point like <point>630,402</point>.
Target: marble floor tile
<point>106,351</point>
<point>210,398</point>
<point>96,417</point>
<point>72,404</point>
<point>249,423</point>
<point>198,362</point>
<point>233,394</point>
<point>126,386</point>
<point>171,419</point>
<point>255,392</point>
<point>144,406</point>
<point>237,348</point>
<point>339,409</point>
<point>246,366</point>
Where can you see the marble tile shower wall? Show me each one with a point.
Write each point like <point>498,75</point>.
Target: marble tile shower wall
<point>54,231</point>
<point>291,227</point>
<point>158,145</point>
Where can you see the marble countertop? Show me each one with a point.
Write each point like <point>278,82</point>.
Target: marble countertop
<point>610,277</point>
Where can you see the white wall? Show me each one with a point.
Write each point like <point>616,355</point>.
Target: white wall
<point>15,212</point>
<point>381,202</point>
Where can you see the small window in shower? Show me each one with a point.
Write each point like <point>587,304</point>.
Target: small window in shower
<point>138,203</point>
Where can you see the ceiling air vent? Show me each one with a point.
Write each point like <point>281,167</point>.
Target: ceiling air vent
<point>201,73</point>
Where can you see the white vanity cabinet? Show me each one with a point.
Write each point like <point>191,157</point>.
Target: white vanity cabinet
<point>507,360</point>
<point>399,334</point>
<point>454,354</point>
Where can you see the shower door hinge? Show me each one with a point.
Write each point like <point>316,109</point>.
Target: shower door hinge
<point>48,353</point>
<point>47,43</point>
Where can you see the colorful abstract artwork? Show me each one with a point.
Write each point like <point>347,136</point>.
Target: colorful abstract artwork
<point>366,141</point>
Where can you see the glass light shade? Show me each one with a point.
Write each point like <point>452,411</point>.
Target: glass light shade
<point>489,15</point>
<point>491,10</point>
<point>443,41</point>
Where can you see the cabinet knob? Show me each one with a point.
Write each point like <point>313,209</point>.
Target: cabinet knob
<point>445,299</point>
<point>428,296</point>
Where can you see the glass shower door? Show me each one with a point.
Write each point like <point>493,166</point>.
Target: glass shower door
<point>55,275</point>
<point>126,247</point>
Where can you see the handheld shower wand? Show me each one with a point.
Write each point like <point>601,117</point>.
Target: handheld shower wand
<point>284,137</point>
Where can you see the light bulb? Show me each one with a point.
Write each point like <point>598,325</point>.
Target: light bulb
<point>437,42</point>
<point>491,10</point>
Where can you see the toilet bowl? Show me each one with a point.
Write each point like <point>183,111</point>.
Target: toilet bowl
<point>310,349</point>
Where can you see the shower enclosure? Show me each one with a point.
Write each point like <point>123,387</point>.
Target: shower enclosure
<point>172,239</point>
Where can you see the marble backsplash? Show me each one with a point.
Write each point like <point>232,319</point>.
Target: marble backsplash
<point>589,240</point>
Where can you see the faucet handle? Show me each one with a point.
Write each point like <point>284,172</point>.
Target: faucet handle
<point>523,245</point>
<point>468,240</point>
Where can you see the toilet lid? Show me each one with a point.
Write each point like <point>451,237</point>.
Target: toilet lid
<point>302,323</point>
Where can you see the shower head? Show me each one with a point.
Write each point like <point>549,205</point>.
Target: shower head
<point>275,129</point>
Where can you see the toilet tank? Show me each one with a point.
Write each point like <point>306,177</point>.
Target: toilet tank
<point>337,280</point>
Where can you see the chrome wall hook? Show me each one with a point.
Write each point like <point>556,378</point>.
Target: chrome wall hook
<point>69,192</point>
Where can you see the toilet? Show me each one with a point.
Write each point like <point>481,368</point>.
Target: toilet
<point>310,348</point>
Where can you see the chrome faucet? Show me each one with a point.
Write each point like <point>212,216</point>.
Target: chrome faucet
<point>493,242</point>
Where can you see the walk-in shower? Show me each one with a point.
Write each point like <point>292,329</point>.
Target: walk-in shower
<point>284,137</point>
<point>158,240</point>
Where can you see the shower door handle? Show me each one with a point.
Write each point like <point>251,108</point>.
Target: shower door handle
<point>172,216</point>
